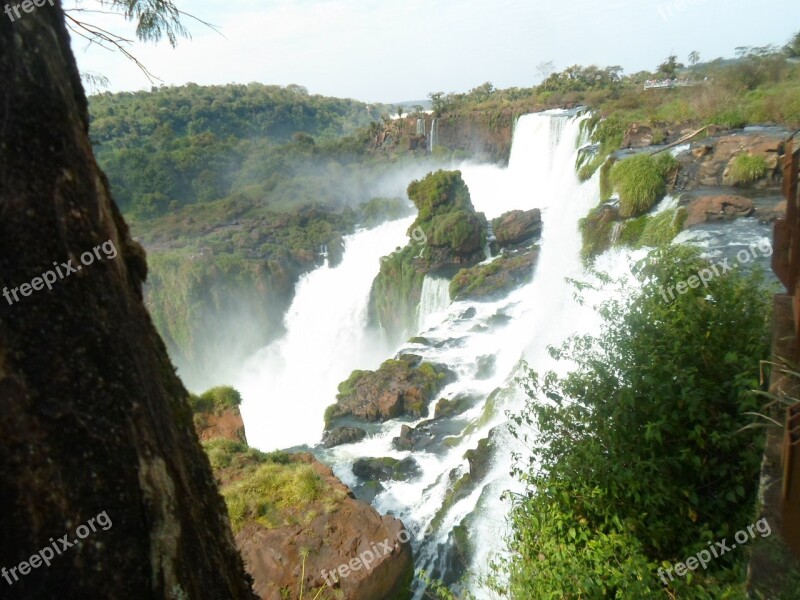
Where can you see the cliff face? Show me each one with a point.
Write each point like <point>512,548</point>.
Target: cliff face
<point>94,420</point>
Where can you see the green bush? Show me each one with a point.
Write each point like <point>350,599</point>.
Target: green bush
<point>636,461</point>
<point>747,168</point>
<point>640,182</point>
<point>216,399</point>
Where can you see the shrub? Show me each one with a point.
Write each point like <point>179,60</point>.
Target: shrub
<point>746,168</point>
<point>636,461</point>
<point>639,181</point>
<point>216,399</point>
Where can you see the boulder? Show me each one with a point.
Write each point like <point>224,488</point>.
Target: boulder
<point>496,279</point>
<point>450,407</point>
<point>385,469</point>
<point>401,386</point>
<point>274,556</point>
<point>715,208</point>
<point>342,435</point>
<point>517,227</point>
<point>769,215</point>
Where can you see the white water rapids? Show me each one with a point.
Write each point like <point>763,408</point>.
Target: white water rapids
<point>287,386</point>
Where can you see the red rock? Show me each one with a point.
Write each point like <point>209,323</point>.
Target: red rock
<point>712,208</point>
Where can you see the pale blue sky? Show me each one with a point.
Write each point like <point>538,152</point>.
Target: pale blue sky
<point>376,50</point>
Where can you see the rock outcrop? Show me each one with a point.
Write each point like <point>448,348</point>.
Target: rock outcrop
<point>284,503</point>
<point>517,227</point>
<point>350,549</point>
<point>447,235</point>
<point>709,161</point>
<point>716,208</point>
<point>402,386</point>
<point>496,279</point>
<point>342,435</point>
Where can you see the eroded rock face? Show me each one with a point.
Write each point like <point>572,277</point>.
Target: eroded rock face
<point>226,424</point>
<point>517,227</point>
<point>715,208</point>
<point>334,541</point>
<point>708,163</point>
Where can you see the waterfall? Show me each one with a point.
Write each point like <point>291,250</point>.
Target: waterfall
<point>434,300</point>
<point>433,137</point>
<point>287,385</point>
<point>420,126</point>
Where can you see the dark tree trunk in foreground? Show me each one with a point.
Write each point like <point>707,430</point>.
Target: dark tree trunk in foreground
<point>93,419</point>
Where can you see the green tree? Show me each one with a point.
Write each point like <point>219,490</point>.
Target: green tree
<point>694,57</point>
<point>669,68</point>
<point>636,461</point>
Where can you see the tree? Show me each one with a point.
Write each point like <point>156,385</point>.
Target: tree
<point>635,461</point>
<point>400,110</point>
<point>792,49</point>
<point>543,70</point>
<point>439,102</point>
<point>668,69</point>
<point>694,57</point>
<point>94,421</point>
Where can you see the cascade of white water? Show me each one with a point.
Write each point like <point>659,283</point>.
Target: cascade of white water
<point>433,302</point>
<point>433,137</point>
<point>287,386</point>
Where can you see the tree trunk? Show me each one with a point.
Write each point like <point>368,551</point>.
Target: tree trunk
<point>93,419</point>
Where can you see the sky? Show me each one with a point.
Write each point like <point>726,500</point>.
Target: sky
<point>381,51</point>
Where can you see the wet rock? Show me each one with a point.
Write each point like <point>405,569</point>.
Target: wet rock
<point>402,386</point>
<point>496,279</point>
<point>485,366</point>
<point>469,313</point>
<point>517,227</point>
<point>385,469</point>
<point>769,215</point>
<point>447,407</point>
<point>716,208</point>
<point>342,435</point>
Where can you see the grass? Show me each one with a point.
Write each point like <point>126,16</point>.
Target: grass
<point>662,228</point>
<point>746,169</point>
<point>274,494</point>
<point>640,182</point>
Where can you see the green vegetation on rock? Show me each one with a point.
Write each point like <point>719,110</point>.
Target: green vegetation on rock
<point>640,181</point>
<point>216,399</point>
<point>747,168</point>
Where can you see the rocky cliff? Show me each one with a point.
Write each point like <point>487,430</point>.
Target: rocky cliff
<point>298,528</point>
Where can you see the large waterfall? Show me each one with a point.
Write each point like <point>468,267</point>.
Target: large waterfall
<point>288,385</point>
